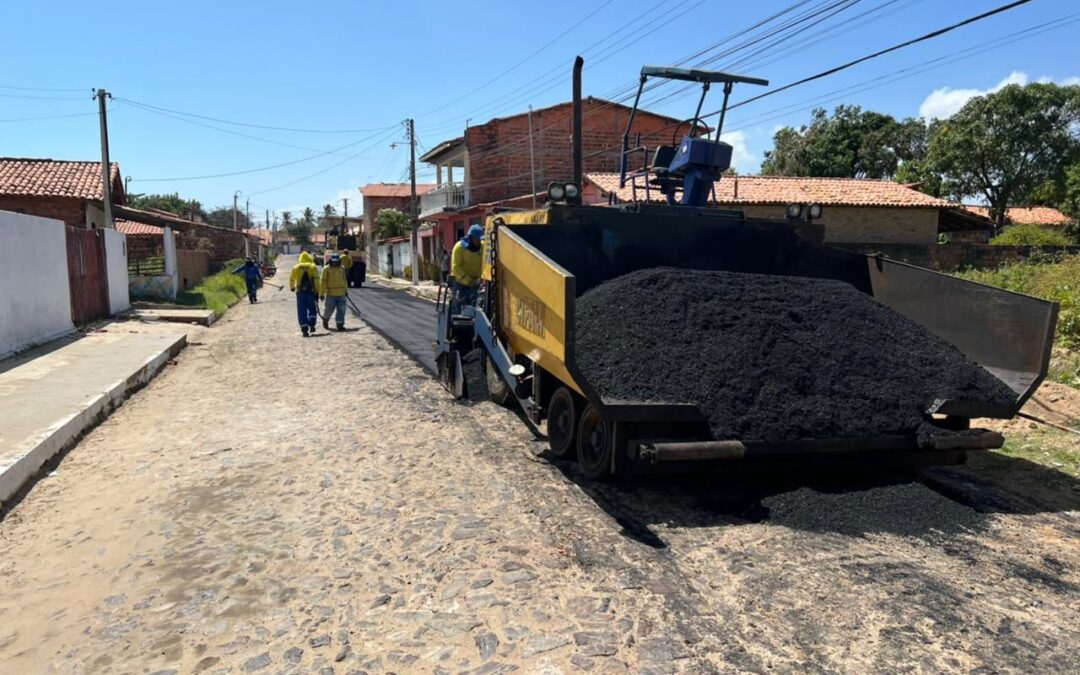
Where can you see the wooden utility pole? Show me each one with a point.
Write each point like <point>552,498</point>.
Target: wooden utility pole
<point>235,211</point>
<point>412,205</point>
<point>247,211</point>
<point>269,227</point>
<point>106,167</point>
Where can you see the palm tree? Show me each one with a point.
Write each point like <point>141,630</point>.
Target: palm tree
<point>286,219</point>
<point>328,211</point>
<point>309,215</point>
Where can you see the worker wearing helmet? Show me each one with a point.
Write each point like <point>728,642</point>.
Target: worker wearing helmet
<point>466,263</point>
<point>304,281</point>
<point>334,286</point>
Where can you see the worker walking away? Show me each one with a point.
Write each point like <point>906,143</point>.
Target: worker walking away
<point>252,277</point>
<point>444,266</point>
<point>334,286</point>
<point>304,281</point>
<point>346,264</point>
<point>466,263</point>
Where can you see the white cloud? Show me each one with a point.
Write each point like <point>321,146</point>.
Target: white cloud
<point>946,102</point>
<point>741,157</point>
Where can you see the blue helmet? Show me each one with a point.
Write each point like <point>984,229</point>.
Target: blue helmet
<point>475,231</point>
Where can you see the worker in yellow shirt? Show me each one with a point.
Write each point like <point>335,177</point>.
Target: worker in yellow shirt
<point>334,287</point>
<point>466,263</point>
<point>346,264</point>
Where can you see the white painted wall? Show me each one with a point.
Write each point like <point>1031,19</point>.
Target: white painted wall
<point>35,300</point>
<point>116,261</point>
<point>169,249</point>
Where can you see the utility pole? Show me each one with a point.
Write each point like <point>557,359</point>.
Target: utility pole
<point>106,167</point>
<point>345,218</point>
<point>412,204</point>
<point>269,228</point>
<point>235,211</point>
<point>247,211</point>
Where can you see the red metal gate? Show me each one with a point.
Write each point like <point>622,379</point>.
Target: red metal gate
<point>87,275</point>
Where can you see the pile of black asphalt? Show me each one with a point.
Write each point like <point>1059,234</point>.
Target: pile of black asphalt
<point>770,358</point>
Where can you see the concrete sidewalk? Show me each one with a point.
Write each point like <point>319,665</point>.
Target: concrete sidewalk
<point>51,395</point>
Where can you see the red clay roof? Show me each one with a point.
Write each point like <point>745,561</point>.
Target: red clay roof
<point>1026,215</point>
<point>130,227</point>
<point>394,189</point>
<point>788,189</point>
<point>52,177</point>
<point>262,234</point>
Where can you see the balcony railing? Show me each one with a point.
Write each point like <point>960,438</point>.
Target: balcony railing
<point>449,196</point>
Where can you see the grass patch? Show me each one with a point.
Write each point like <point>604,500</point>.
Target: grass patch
<point>1042,463</point>
<point>217,292</point>
<point>1030,235</point>
<point>1054,280</point>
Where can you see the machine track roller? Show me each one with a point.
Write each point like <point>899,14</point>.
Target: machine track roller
<point>497,387</point>
<point>562,421</point>
<point>595,444</point>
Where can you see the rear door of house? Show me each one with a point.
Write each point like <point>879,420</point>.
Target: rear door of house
<point>87,275</point>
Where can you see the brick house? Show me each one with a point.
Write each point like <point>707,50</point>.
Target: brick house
<point>378,196</point>
<point>1043,216</point>
<point>855,211</point>
<point>493,162</point>
<point>221,243</point>
<point>57,189</point>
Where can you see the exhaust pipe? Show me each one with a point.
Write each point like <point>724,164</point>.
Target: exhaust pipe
<point>576,138</point>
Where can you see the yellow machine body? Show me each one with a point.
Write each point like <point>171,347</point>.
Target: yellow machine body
<point>535,295</point>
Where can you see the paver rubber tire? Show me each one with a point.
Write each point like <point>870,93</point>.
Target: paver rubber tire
<point>595,445</point>
<point>498,390</point>
<point>562,421</point>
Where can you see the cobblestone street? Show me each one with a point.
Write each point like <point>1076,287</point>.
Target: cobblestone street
<point>275,504</point>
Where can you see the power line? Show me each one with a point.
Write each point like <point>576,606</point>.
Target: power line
<point>880,52</point>
<point>18,88</point>
<point>225,131</point>
<point>384,137</point>
<point>522,61</point>
<point>263,168</point>
<point>254,126</point>
<point>44,98</point>
<point>51,117</point>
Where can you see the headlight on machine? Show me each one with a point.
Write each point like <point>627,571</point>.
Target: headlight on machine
<point>556,192</point>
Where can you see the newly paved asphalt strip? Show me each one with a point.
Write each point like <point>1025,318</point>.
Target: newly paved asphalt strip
<point>406,321</point>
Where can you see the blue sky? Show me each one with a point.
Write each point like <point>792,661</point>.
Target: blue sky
<point>357,69</point>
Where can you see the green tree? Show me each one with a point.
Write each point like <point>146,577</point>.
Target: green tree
<point>390,223</point>
<point>286,219</point>
<point>222,216</point>
<point>308,216</point>
<point>852,143</point>
<point>1004,145</point>
<point>1070,198</point>
<point>173,203</point>
<point>328,211</point>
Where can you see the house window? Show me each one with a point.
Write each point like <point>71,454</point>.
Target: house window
<point>459,229</point>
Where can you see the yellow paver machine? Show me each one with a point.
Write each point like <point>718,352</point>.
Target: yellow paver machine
<point>539,263</point>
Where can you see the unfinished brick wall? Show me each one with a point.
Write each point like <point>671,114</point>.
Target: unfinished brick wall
<point>70,210</point>
<point>498,160</point>
<point>222,244</point>
<point>372,206</point>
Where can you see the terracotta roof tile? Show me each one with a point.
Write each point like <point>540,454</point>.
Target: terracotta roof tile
<point>394,189</point>
<point>787,189</point>
<point>130,227</point>
<point>1026,215</point>
<point>52,177</point>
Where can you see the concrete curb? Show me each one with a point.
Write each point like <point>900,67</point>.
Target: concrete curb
<point>65,433</point>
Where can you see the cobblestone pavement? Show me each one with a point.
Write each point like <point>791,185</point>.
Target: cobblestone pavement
<point>275,504</point>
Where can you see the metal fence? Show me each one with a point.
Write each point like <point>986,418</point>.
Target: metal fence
<point>146,267</point>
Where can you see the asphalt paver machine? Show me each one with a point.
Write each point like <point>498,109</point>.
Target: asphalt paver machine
<point>537,264</point>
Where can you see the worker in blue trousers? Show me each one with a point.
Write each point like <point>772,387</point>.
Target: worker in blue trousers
<point>252,277</point>
<point>304,281</point>
<point>466,264</point>
<point>334,287</point>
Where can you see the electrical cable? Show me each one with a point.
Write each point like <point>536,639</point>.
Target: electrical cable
<point>263,168</point>
<point>254,126</point>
